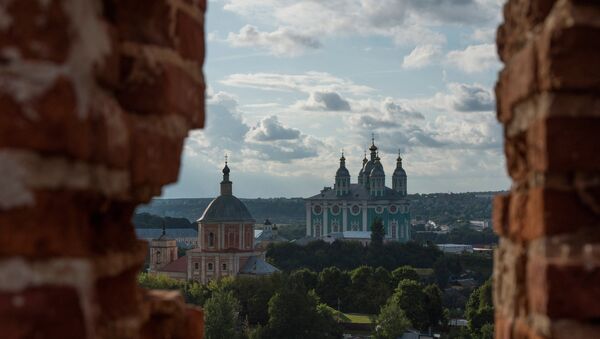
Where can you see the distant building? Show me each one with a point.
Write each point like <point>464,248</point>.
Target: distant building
<point>455,248</point>
<point>482,224</point>
<point>360,236</point>
<point>163,250</point>
<point>268,235</point>
<point>185,237</point>
<point>353,207</point>
<point>225,242</point>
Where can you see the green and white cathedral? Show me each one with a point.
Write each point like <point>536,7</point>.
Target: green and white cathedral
<point>347,210</point>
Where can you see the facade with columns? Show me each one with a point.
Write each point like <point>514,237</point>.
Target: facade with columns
<point>354,206</point>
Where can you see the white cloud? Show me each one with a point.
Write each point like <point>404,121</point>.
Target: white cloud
<point>474,58</point>
<point>406,22</point>
<point>227,132</point>
<point>484,34</point>
<point>281,42</point>
<point>324,101</point>
<point>307,82</point>
<point>270,129</point>
<point>471,98</point>
<point>421,56</point>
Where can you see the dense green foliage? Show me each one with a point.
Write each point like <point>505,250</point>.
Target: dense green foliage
<point>193,292</point>
<point>391,322</point>
<point>458,235</point>
<point>451,208</point>
<point>347,255</point>
<point>264,304</point>
<point>221,316</point>
<point>480,311</point>
<point>295,312</point>
<point>404,272</point>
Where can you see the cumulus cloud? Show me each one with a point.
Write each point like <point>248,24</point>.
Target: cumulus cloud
<point>308,82</point>
<point>324,101</point>
<point>474,58</point>
<point>271,140</point>
<point>471,98</point>
<point>406,22</point>
<point>270,129</point>
<point>281,42</point>
<point>421,56</point>
<point>227,132</point>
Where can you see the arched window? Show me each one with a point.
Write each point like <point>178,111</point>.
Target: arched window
<point>211,239</point>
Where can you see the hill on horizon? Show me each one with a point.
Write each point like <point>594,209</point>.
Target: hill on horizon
<point>442,208</point>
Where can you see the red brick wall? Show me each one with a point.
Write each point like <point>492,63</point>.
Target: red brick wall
<point>547,267</point>
<point>96,99</point>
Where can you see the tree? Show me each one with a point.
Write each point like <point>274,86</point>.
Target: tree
<point>293,313</point>
<point>332,287</point>
<point>434,307</point>
<point>362,291</point>
<point>487,331</point>
<point>391,322</point>
<point>404,272</point>
<point>221,316</point>
<point>306,276</point>
<point>410,297</point>
<point>377,233</point>
<point>441,272</point>
<point>480,309</point>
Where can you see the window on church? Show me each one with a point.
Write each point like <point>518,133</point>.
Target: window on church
<point>196,266</point>
<point>231,240</point>
<point>210,266</point>
<point>224,267</point>
<point>211,239</point>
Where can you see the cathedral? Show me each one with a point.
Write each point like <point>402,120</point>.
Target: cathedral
<point>348,209</point>
<point>226,245</point>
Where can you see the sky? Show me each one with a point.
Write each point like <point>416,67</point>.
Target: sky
<point>291,83</point>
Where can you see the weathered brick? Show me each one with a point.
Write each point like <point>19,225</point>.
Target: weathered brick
<point>189,37</point>
<point>147,22</point>
<point>523,330</point>
<point>520,17</point>
<point>567,329</point>
<point>194,323</point>
<point>564,144</point>
<point>568,41</point>
<point>36,31</point>
<point>502,326</point>
<point>162,89</point>
<point>107,71</point>
<point>515,149</point>
<point>158,150</point>
<point>40,231</point>
<point>42,312</point>
<point>119,296</point>
<point>555,211</point>
<point>500,206</point>
<point>563,289</point>
<point>517,81</point>
<point>87,134</point>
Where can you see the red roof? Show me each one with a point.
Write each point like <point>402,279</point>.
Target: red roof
<point>179,265</point>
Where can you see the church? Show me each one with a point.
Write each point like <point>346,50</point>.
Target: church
<point>347,210</point>
<point>226,245</point>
